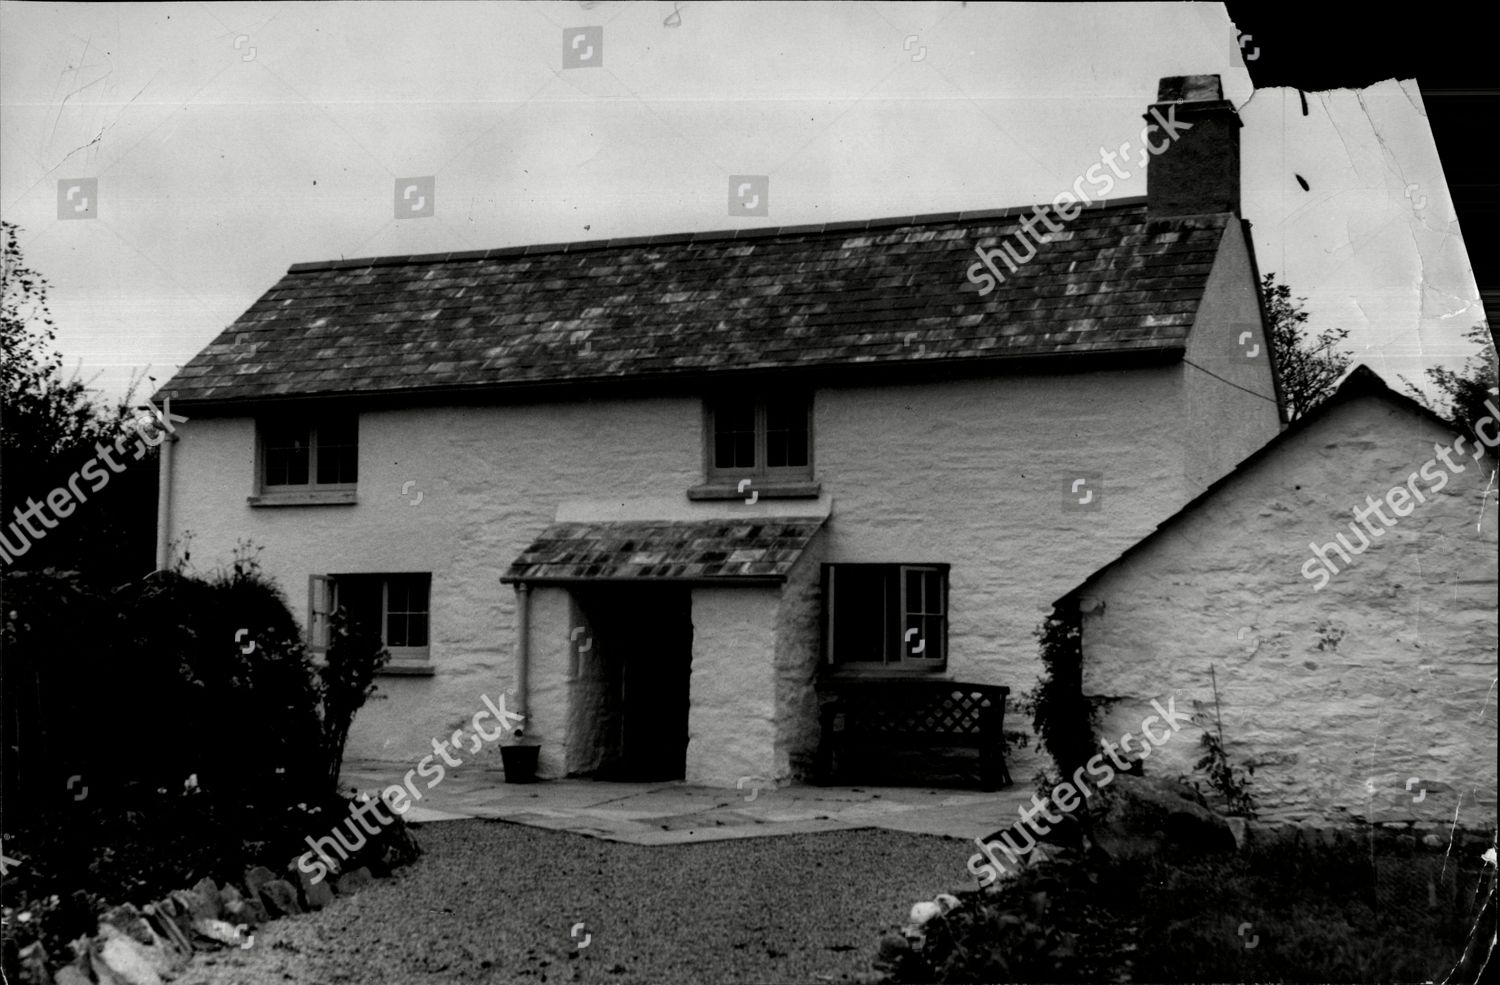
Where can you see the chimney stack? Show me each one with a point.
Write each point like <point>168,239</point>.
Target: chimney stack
<point>1199,171</point>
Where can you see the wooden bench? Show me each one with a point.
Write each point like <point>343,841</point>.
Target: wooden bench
<point>865,718</point>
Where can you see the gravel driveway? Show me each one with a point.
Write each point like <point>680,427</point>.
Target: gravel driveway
<point>492,902</point>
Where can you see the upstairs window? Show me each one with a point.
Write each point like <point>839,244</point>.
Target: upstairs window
<point>759,438</point>
<point>886,616</point>
<point>298,454</point>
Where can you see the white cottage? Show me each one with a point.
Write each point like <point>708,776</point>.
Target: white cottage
<point>668,487</point>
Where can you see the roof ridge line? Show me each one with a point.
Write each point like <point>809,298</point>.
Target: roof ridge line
<point>758,232</point>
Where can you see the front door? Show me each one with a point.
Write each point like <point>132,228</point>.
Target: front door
<point>645,635</point>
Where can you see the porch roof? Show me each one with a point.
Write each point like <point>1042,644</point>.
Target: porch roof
<point>761,549</point>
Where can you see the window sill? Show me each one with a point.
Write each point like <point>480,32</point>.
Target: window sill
<point>767,490</point>
<point>316,497</point>
<point>406,670</point>
<point>885,674</point>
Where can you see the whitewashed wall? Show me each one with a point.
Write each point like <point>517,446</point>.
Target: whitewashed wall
<point>971,473</point>
<point>1340,696</point>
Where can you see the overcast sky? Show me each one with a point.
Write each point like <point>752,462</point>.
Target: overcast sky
<point>229,141</point>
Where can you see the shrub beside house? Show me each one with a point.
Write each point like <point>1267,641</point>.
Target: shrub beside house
<point>167,773</point>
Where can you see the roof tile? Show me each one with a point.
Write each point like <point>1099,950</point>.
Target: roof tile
<point>755,299</point>
<point>667,550</point>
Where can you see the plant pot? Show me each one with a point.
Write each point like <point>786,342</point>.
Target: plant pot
<point>519,762</point>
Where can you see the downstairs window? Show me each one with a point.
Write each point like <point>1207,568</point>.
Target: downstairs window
<point>397,607</point>
<point>886,616</point>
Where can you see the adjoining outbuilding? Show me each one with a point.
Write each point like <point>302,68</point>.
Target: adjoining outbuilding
<point>1338,588</point>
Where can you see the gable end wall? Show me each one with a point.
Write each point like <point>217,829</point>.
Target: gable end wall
<point>1339,696</point>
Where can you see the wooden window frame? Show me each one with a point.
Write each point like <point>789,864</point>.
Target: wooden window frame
<point>405,654</point>
<point>894,626</point>
<point>760,474</point>
<point>322,601</point>
<point>312,491</point>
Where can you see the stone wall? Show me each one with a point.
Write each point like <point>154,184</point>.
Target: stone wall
<point>973,474</point>
<point>490,479</point>
<point>967,473</point>
<point>1372,697</point>
<point>732,718</point>
<point>548,673</point>
<point>593,730</point>
<point>799,654</point>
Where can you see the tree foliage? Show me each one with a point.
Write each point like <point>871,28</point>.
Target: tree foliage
<point>46,415</point>
<point>1309,366</point>
<point>1464,392</point>
<point>1062,716</point>
<point>344,682</point>
<point>198,675</point>
<point>161,731</point>
<point>50,424</point>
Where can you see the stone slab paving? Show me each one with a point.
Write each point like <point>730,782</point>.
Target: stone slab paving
<point>678,813</point>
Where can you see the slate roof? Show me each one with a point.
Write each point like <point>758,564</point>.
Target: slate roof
<point>700,550</point>
<point>882,291</point>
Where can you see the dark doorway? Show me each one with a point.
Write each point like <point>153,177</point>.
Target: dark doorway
<point>644,638</point>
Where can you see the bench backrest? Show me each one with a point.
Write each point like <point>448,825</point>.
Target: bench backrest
<point>920,707</point>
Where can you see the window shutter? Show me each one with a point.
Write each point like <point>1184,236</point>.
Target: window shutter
<point>829,573</point>
<point>319,607</point>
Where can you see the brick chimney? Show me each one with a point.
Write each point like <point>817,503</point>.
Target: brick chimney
<point>1199,171</point>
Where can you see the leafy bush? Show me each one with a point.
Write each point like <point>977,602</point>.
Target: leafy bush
<point>1023,705</point>
<point>1062,717</point>
<point>1230,781</point>
<point>1042,927</point>
<point>1276,912</point>
<point>1029,946</point>
<point>226,660</point>
<point>345,682</point>
<point>49,428</point>
<point>168,729</point>
<point>187,675</point>
<point>78,861</point>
